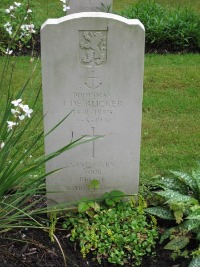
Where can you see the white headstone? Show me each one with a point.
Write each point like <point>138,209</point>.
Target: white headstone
<point>92,63</point>
<point>89,5</point>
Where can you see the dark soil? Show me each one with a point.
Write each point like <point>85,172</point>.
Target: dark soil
<point>33,248</point>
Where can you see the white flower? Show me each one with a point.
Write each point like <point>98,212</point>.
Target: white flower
<point>26,110</point>
<point>7,11</point>
<point>17,4</point>
<point>2,145</point>
<point>29,11</point>
<point>65,7</point>
<point>7,25</point>
<point>31,60</point>
<point>11,8</point>
<point>27,29</point>
<point>16,102</point>
<point>21,117</point>
<point>9,30</point>
<point>15,111</point>
<point>11,124</point>
<point>8,51</point>
<point>64,1</point>
<point>31,28</point>
<point>13,16</point>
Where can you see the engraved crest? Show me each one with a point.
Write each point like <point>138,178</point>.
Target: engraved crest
<point>93,48</point>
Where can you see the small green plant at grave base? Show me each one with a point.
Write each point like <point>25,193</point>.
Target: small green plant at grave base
<point>87,205</point>
<point>181,202</point>
<point>119,231</point>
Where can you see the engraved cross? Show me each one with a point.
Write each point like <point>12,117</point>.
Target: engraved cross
<point>88,137</point>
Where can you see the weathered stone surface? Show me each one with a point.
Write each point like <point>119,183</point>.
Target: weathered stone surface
<point>89,5</point>
<point>92,63</point>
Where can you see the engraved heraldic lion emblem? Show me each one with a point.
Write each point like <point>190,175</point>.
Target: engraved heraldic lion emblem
<point>92,48</point>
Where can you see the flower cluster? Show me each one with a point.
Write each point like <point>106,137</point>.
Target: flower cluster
<point>8,27</point>
<point>8,51</point>
<point>15,15</point>
<point>27,29</point>
<point>65,5</point>
<point>12,8</point>
<point>20,112</point>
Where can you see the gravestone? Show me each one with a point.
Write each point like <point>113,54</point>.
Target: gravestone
<point>92,65</point>
<point>89,5</point>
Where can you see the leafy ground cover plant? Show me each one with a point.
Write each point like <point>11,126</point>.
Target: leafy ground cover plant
<point>115,230</point>
<point>167,30</point>
<point>181,196</point>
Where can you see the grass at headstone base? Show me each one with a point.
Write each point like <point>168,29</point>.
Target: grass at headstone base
<point>171,111</point>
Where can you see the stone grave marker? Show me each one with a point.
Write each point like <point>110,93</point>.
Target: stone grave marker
<point>92,65</point>
<point>89,5</point>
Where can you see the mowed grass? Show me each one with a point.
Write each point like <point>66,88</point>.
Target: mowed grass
<point>118,5</point>
<point>171,114</point>
<point>171,110</point>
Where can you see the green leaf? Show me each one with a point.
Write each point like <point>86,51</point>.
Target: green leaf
<point>113,197</point>
<point>174,184</point>
<point>191,224</point>
<point>195,262</point>
<point>94,205</point>
<point>83,207</point>
<point>94,184</point>
<point>172,196</point>
<point>116,195</point>
<point>166,234</point>
<point>195,215</point>
<point>90,213</point>
<point>188,180</point>
<point>109,202</point>
<point>178,242</point>
<point>161,212</point>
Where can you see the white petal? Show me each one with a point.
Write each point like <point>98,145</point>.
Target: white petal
<point>2,145</point>
<point>17,102</point>
<point>21,117</point>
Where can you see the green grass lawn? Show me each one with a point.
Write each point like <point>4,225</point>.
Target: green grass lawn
<point>171,110</point>
<point>171,114</point>
<point>193,4</point>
